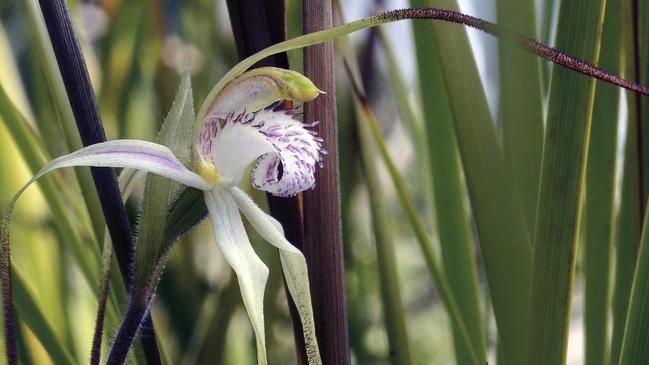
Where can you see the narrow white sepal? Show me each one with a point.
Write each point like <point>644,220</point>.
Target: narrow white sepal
<point>293,265</point>
<point>130,153</point>
<point>252,274</point>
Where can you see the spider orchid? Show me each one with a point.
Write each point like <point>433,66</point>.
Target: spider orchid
<point>244,124</point>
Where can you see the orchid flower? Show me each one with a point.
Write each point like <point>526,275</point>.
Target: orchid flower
<point>244,125</point>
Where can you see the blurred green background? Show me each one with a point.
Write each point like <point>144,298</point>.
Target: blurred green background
<point>136,50</point>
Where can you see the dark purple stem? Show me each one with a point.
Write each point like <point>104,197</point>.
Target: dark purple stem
<point>95,351</point>
<point>84,106</point>
<point>134,317</point>
<point>7,297</point>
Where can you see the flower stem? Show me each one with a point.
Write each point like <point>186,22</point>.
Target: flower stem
<point>322,215</point>
<point>134,317</point>
<point>95,351</point>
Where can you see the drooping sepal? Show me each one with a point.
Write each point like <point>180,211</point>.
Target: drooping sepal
<point>293,265</point>
<point>232,240</point>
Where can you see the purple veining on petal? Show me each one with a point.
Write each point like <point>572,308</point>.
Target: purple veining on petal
<point>152,157</point>
<point>298,152</point>
<point>207,135</point>
<point>291,168</point>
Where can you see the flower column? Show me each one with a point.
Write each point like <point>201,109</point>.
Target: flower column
<point>322,227</point>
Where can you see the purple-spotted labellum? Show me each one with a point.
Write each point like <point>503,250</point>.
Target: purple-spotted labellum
<point>244,125</point>
<point>288,171</point>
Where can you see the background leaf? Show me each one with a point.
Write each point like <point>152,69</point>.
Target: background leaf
<point>562,184</point>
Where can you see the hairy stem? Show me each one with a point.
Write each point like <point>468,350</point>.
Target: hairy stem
<point>546,52</point>
<point>134,317</point>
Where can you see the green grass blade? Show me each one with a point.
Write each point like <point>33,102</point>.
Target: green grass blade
<point>562,184</point>
<point>410,116</point>
<point>86,255</point>
<point>394,313</point>
<point>119,62</point>
<point>452,217</point>
<point>425,243</point>
<point>393,308</point>
<point>32,316</point>
<point>65,116</point>
<point>520,111</point>
<point>501,227</point>
<point>628,239</point>
<point>600,193</point>
<point>635,347</point>
<point>631,206</point>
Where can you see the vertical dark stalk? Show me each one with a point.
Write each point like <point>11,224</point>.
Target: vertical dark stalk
<point>95,349</point>
<point>84,106</point>
<point>257,24</point>
<point>322,227</point>
<point>134,317</point>
<point>640,106</point>
<point>81,96</point>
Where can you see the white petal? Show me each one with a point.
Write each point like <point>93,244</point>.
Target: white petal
<point>232,240</point>
<point>291,169</point>
<point>293,264</point>
<point>130,153</point>
<point>135,154</point>
<point>236,146</point>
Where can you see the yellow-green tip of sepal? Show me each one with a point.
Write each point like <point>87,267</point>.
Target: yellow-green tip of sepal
<point>294,86</point>
<point>258,88</point>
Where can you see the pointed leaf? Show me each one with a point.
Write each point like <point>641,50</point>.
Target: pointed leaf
<point>561,188</point>
<point>635,347</point>
<point>176,133</point>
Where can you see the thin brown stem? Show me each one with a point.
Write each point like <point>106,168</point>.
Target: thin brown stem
<point>322,215</point>
<point>546,52</point>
